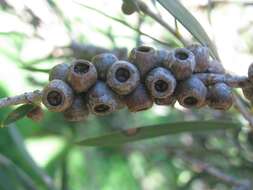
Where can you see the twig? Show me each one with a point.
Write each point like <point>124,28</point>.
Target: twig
<point>145,9</point>
<point>232,81</point>
<point>26,98</point>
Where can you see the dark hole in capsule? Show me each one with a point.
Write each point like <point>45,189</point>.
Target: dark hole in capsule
<point>190,101</point>
<point>54,98</point>
<point>81,68</point>
<point>161,86</point>
<point>101,108</point>
<point>181,55</point>
<point>144,49</point>
<point>122,74</point>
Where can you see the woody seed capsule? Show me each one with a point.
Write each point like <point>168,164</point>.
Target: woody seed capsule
<point>57,96</point>
<point>59,71</point>
<point>250,73</point>
<point>248,93</point>
<point>214,66</point>
<point>191,93</point>
<point>101,100</point>
<point>201,54</point>
<point>123,77</point>
<point>170,100</point>
<point>160,83</point>
<point>78,111</point>
<point>144,58</point>
<point>102,63</point>
<point>181,62</point>
<point>220,97</point>
<point>139,99</point>
<point>82,75</point>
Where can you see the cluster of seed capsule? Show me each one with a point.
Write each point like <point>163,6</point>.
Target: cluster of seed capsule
<point>149,76</point>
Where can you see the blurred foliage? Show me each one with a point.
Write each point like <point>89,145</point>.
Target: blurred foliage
<point>43,156</point>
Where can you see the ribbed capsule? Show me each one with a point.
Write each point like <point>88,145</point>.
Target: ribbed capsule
<point>78,111</point>
<point>102,100</point>
<point>139,99</point>
<point>57,96</point>
<point>160,83</point>
<point>59,71</point>
<point>123,77</point>
<point>170,100</point>
<point>220,97</point>
<point>181,62</point>
<point>82,75</point>
<point>144,58</point>
<point>102,63</point>
<point>214,66</point>
<point>250,73</point>
<point>191,93</point>
<point>201,54</point>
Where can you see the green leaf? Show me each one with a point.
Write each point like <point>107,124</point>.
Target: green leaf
<point>190,23</point>
<point>17,114</point>
<point>134,134</point>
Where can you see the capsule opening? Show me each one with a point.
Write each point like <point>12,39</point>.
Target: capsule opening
<point>190,101</point>
<point>161,86</point>
<point>81,67</point>
<point>122,74</point>
<point>102,108</point>
<point>54,98</point>
<point>181,55</point>
<point>144,49</point>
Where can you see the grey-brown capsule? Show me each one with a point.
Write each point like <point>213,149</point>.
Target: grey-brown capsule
<point>57,96</point>
<point>160,83</point>
<point>82,75</point>
<point>191,93</point>
<point>250,72</point>
<point>102,63</point>
<point>181,62</point>
<point>161,56</point>
<point>144,58</point>
<point>78,111</point>
<point>201,54</point>
<point>214,66</point>
<point>170,100</point>
<point>102,100</point>
<point>248,93</point>
<point>123,77</point>
<point>220,97</point>
<point>59,71</point>
<point>139,99</point>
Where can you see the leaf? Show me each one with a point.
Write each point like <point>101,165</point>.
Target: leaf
<point>190,23</point>
<point>134,134</point>
<point>17,114</point>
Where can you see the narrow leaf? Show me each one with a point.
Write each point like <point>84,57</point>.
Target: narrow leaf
<point>17,114</point>
<point>134,134</point>
<point>190,23</point>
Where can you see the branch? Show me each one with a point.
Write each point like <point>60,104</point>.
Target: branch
<point>26,98</point>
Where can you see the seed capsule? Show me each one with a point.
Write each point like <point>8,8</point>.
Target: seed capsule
<point>57,96</point>
<point>201,54</point>
<point>160,83</point>
<point>128,8</point>
<point>101,100</point>
<point>191,93</point>
<point>214,66</point>
<point>181,62</point>
<point>248,93</point>
<point>250,72</point>
<point>59,71</point>
<point>36,114</point>
<point>139,99</point>
<point>144,58</point>
<point>78,111</point>
<point>102,63</point>
<point>161,56</point>
<point>220,97</point>
<point>123,77</point>
<point>82,75</point>
<point>170,100</point>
